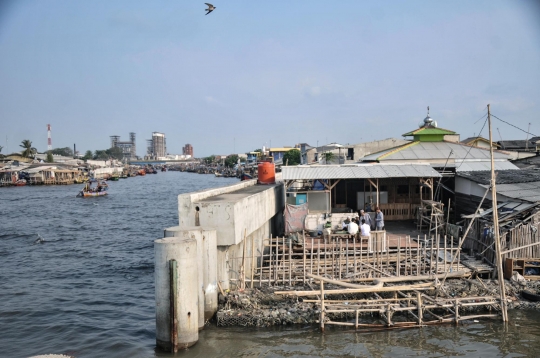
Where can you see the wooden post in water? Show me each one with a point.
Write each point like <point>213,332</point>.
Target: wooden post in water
<point>500,275</point>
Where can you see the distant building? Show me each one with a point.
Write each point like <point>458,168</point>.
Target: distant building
<point>480,142</point>
<point>156,147</point>
<point>188,150</point>
<point>129,149</point>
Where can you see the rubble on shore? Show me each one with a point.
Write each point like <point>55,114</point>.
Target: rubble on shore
<point>261,307</point>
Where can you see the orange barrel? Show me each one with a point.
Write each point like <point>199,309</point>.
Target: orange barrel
<point>267,173</point>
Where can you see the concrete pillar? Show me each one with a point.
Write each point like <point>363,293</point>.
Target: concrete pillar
<point>183,250</point>
<point>210,273</point>
<point>222,266</point>
<point>196,234</point>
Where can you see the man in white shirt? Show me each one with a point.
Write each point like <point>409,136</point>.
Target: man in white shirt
<point>365,234</point>
<point>352,228</point>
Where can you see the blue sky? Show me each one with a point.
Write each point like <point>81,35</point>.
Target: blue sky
<point>258,73</point>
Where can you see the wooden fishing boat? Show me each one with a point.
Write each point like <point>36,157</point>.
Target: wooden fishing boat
<point>99,190</point>
<point>20,182</point>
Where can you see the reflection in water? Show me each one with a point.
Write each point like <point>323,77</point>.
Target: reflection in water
<point>88,290</point>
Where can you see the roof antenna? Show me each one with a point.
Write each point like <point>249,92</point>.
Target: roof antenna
<point>428,111</point>
<point>502,143</point>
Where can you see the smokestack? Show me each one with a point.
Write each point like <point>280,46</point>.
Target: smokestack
<point>74,151</point>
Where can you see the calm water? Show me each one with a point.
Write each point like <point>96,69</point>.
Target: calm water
<point>88,290</point>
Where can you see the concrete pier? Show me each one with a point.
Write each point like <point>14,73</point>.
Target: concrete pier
<point>185,308</point>
<point>207,258</point>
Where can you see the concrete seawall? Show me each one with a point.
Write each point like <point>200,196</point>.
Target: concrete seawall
<point>242,214</point>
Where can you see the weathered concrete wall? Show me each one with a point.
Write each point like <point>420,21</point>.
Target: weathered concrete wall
<point>242,213</point>
<point>230,258</point>
<point>186,202</point>
<point>232,213</point>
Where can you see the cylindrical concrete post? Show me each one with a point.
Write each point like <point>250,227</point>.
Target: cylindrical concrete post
<point>186,313</point>
<point>196,234</point>
<point>210,273</point>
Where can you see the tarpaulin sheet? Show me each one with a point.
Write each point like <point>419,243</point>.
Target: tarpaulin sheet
<point>295,216</point>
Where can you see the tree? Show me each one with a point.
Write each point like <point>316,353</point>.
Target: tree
<point>101,155</point>
<point>1,155</point>
<point>328,157</point>
<point>231,160</point>
<point>88,155</point>
<point>66,152</point>
<point>209,160</point>
<point>292,157</point>
<point>115,153</point>
<point>50,158</point>
<point>28,151</point>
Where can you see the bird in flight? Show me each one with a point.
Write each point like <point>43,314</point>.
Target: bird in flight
<point>210,8</point>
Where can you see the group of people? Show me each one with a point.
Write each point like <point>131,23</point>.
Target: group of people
<point>362,222</point>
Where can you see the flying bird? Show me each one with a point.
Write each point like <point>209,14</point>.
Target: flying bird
<point>210,8</point>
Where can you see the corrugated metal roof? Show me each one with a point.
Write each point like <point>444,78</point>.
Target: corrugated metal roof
<point>521,176</point>
<point>434,151</point>
<point>472,166</point>
<point>361,171</point>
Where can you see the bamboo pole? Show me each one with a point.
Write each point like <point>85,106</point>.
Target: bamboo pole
<point>252,259</point>
<point>304,254</point>
<point>500,276</point>
<point>322,306</point>
<point>270,254</point>
<point>290,261</point>
<point>261,262</point>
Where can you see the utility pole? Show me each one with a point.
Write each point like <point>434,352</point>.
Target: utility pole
<point>500,276</point>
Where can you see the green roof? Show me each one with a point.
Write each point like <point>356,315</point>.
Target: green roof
<point>429,134</point>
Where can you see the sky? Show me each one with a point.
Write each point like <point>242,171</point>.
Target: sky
<point>263,73</point>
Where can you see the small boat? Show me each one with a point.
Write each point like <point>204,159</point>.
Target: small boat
<point>218,174</point>
<point>163,169</point>
<point>99,190</point>
<point>245,176</point>
<point>531,296</point>
<point>20,182</point>
<point>141,172</point>
<point>114,178</point>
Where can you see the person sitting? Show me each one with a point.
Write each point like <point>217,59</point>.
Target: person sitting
<point>352,228</point>
<point>365,233</point>
<point>345,223</point>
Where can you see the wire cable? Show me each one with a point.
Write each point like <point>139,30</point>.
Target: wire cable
<point>510,124</point>
<point>479,135</point>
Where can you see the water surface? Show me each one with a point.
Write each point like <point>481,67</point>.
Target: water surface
<point>88,290</point>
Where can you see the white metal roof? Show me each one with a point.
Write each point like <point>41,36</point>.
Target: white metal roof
<point>361,171</point>
<point>434,151</point>
<point>472,166</point>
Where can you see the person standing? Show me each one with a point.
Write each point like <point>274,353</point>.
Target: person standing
<point>365,216</point>
<point>379,219</point>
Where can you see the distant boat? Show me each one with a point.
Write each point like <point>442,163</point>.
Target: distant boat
<point>20,182</point>
<point>163,169</point>
<point>218,174</point>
